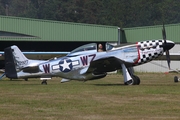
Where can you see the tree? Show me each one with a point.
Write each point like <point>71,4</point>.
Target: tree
<point>122,13</point>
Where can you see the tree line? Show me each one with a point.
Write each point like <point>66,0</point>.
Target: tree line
<point>122,13</point>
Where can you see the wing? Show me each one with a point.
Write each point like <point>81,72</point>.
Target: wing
<point>105,65</point>
<point>34,69</point>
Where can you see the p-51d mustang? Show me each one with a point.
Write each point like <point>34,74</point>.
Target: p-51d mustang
<point>86,63</point>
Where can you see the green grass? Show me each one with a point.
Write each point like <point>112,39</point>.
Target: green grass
<point>157,98</point>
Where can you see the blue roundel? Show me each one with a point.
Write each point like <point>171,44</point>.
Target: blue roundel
<point>65,65</point>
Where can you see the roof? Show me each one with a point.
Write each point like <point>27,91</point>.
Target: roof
<point>27,29</point>
<point>152,32</point>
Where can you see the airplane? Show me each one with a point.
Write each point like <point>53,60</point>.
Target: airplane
<point>86,63</point>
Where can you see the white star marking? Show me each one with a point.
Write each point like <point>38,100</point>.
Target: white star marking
<point>65,65</point>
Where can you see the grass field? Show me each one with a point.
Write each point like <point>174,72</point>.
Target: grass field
<point>156,98</point>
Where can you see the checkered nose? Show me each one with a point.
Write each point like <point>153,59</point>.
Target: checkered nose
<point>168,45</point>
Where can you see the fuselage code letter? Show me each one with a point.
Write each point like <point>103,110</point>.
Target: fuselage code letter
<point>46,68</point>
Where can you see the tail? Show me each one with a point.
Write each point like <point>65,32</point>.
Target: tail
<point>14,61</point>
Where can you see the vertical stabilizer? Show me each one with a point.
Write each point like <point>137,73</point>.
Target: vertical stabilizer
<point>14,61</point>
<point>19,57</point>
<point>10,69</point>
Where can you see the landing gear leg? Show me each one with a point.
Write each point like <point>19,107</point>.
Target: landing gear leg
<point>129,77</point>
<point>44,82</point>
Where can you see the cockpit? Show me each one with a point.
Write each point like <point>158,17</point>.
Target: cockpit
<point>92,47</point>
<point>109,47</point>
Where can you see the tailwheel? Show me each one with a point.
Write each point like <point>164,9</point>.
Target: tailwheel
<point>44,82</point>
<point>175,79</point>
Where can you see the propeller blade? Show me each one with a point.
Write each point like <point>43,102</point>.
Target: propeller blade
<point>167,51</point>
<point>164,34</point>
<point>168,59</point>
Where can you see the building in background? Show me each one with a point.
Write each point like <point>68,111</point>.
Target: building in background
<point>47,35</point>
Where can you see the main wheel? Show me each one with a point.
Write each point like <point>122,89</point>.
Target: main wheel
<point>137,79</point>
<point>175,79</point>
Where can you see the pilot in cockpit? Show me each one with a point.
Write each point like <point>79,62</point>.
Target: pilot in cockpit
<point>100,48</point>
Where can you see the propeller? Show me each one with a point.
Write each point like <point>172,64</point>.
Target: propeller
<point>165,43</point>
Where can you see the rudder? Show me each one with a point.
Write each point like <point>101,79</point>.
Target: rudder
<point>10,68</point>
<point>14,61</point>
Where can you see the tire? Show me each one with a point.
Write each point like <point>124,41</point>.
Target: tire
<point>137,79</point>
<point>175,79</point>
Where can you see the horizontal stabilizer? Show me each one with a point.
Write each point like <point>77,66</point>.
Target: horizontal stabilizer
<point>2,76</point>
<point>34,69</point>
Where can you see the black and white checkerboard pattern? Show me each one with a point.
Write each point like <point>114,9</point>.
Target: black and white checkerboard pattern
<point>149,50</point>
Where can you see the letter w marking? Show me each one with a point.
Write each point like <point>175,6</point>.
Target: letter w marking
<point>46,68</point>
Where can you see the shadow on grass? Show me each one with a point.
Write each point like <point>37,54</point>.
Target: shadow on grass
<point>12,80</point>
<point>109,84</point>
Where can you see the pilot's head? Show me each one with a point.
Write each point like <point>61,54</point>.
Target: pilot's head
<point>100,46</point>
